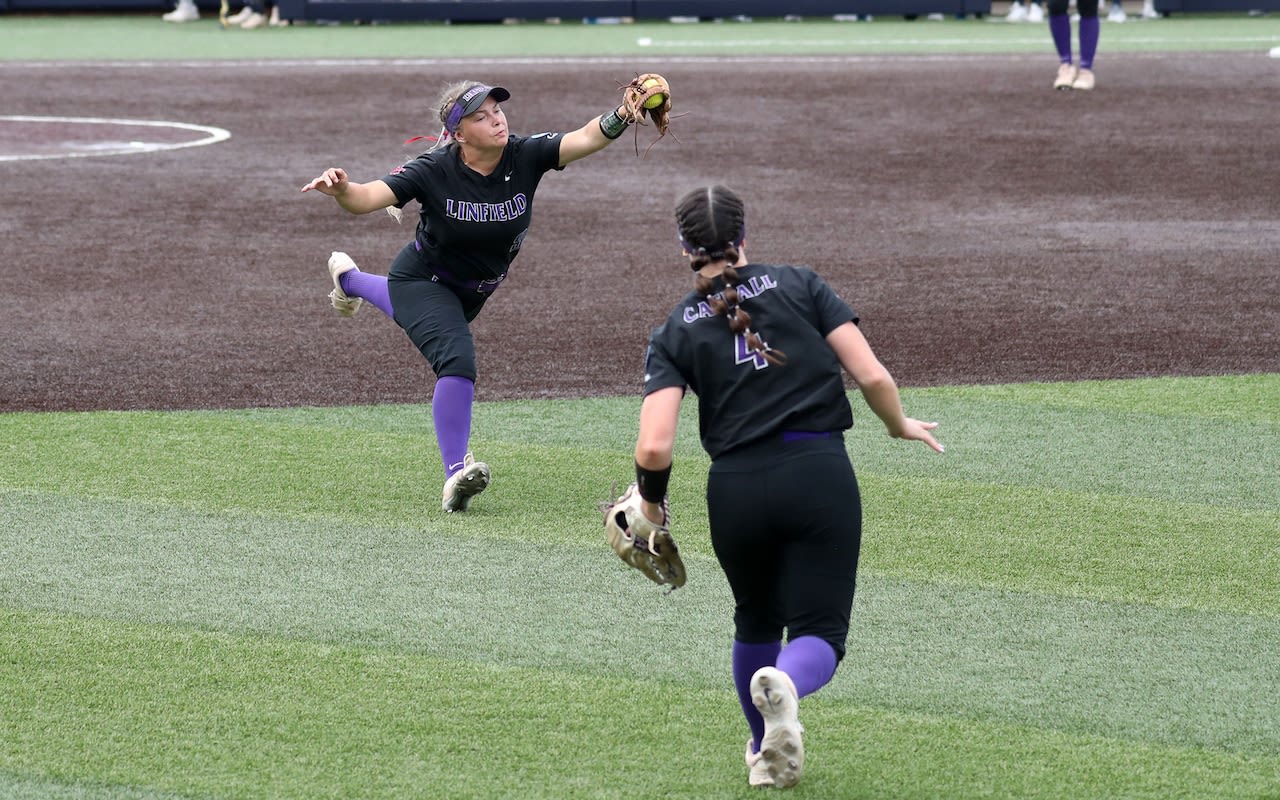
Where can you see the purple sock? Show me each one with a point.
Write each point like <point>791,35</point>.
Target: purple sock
<point>1088,41</point>
<point>1060,28</point>
<point>747,658</point>
<point>810,663</point>
<point>451,411</point>
<point>372,288</point>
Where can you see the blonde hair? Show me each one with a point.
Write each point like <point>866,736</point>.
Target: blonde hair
<point>448,97</point>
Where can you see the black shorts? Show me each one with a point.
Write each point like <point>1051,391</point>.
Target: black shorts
<point>786,526</point>
<point>436,316</point>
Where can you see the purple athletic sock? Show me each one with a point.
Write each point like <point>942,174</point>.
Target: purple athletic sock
<point>810,663</point>
<point>747,658</point>
<point>451,411</point>
<point>1088,41</point>
<point>372,288</point>
<point>1060,28</point>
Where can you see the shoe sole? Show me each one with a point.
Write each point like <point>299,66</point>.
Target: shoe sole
<point>782,748</point>
<point>468,486</point>
<point>346,306</point>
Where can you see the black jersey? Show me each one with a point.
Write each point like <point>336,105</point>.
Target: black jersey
<point>471,226</point>
<point>743,399</point>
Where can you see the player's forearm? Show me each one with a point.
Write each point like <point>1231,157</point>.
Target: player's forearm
<point>362,198</point>
<point>881,396</point>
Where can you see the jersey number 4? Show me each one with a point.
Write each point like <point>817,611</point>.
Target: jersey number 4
<point>743,354</point>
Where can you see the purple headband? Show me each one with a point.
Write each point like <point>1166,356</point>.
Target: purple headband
<point>470,101</point>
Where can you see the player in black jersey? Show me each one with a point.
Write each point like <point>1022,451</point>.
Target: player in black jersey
<point>475,188</point>
<point>782,498</point>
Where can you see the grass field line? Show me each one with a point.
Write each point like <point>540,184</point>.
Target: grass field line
<point>966,41</point>
<point>324,63</point>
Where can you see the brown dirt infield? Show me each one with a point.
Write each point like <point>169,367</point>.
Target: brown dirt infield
<point>987,228</point>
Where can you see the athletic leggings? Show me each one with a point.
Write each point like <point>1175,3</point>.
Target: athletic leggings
<point>786,526</point>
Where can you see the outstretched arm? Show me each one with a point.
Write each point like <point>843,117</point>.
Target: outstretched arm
<point>877,386</point>
<point>358,198</point>
<point>648,95</point>
<point>590,138</point>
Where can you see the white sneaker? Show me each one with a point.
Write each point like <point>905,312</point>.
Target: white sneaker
<point>185,12</point>
<point>782,749</point>
<point>466,483</point>
<point>339,264</point>
<point>1149,11</point>
<point>758,771</point>
<point>1017,13</point>
<point>1035,13</point>
<point>1116,14</point>
<point>240,16</point>
<point>255,20</point>
<point>1066,77</point>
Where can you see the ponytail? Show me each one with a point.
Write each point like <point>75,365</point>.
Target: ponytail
<point>728,303</point>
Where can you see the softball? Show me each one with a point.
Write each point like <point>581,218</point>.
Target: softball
<point>657,99</point>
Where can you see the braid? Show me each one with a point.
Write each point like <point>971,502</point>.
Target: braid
<point>727,302</point>
<point>712,223</point>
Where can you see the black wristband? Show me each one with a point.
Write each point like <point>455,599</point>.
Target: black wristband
<point>652,483</point>
<point>613,125</point>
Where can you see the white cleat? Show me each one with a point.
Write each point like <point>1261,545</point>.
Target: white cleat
<point>466,483</point>
<point>1066,77</point>
<point>782,749</point>
<point>1035,13</point>
<point>339,265</point>
<point>758,774</point>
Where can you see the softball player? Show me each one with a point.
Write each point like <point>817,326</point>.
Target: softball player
<point>762,347</point>
<point>475,188</point>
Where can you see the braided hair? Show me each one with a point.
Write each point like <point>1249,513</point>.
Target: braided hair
<point>712,226</point>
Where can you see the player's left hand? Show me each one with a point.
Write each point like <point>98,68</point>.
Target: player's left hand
<point>642,543</point>
<point>649,95</point>
<point>918,431</point>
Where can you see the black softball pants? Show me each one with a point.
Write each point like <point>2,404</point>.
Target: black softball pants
<point>435,316</point>
<point>786,526</point>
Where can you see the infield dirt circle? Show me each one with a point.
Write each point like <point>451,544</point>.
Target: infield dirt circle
<point>986,228</point>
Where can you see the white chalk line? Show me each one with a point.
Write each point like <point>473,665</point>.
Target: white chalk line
<point>628,61</point>
<point>1000,42</point>
<point>106,147</point>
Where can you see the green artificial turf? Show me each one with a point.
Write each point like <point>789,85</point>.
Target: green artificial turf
<point>144,36</point>
<point>1080,598</point>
